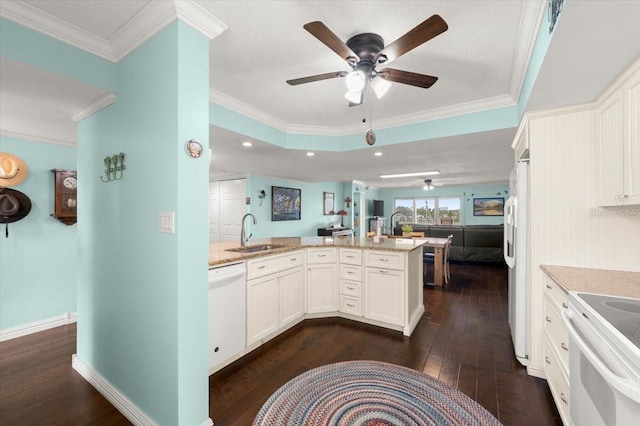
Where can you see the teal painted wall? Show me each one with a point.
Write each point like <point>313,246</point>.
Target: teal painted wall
<point>498,118</point>
<point>466,194</point>
<point>39,259</point>
<point>311,211</point>
<point>31,47</point>
<point>543,40</point>
<point>142,294</point>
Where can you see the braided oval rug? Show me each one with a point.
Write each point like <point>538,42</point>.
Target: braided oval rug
<point>369,393</point>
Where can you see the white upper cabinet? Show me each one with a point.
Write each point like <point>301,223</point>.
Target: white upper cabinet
<point>618,145</point>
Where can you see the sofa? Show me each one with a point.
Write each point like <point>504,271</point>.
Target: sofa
<point>470,243</point>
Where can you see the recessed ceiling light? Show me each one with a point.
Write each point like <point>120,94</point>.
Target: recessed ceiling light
<point>377,154</point>
<point>399,175</point>
<point>246,143</point>
<point>310,154</point>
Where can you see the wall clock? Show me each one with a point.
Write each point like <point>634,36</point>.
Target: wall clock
<point>65,195</point>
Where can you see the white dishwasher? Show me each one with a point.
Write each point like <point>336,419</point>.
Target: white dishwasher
<point>227,315</point>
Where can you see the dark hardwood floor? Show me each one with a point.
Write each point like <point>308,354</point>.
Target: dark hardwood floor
<point>463,340</point>
<point>38,386</point>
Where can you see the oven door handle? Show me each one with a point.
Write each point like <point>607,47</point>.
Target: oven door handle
<point>627,386</point>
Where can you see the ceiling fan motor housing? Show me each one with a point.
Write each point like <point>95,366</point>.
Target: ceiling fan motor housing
<point>366,46</point>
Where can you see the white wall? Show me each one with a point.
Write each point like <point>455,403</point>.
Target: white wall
<point>567,228</point>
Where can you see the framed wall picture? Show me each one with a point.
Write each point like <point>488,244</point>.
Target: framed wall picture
<point>488,206</point>
<point>285,203</point>
<point>328,201</point>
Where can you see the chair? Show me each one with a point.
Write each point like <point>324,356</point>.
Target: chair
<point>430,257</point>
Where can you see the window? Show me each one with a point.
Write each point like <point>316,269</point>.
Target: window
<point>428,211</point>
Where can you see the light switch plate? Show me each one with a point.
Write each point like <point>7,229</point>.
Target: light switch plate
<point>167,222</point>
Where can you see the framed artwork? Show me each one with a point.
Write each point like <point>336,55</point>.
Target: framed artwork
<point>285,203</point>
<point>488,206</point>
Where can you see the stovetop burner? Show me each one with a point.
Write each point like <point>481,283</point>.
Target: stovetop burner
<point>621,312</point>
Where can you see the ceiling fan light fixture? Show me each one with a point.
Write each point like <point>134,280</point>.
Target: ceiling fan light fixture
<point>428,186</point>
<point>356,80</point>
<point>380,86</point>
<point>353,97</point>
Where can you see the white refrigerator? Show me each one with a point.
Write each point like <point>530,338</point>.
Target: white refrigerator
<point>516,254</point>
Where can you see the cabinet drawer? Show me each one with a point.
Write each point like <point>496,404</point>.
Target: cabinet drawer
<point>350,288</point>
<point>270,264</point>
<point>384,259</point>
<point>351,257</point>
<point>557,381</point>
<point>318,255</point>
<point>351,305</point>
<point>351,272</point>
<point>555,293</point>
<point>556,332</point>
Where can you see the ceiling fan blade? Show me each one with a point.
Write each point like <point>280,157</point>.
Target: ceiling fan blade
<point>424,32</point>
<point>406,77</point>
<point>318,77</point>
<point>328,38</point>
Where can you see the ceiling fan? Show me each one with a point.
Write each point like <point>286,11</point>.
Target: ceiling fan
<point>363,52</point>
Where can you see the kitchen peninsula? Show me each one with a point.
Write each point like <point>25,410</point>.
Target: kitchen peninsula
<point>289,280</point>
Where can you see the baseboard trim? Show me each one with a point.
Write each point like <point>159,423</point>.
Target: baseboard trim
<point>128,409</point>
<point>113,395</point>
<point>35,327</point>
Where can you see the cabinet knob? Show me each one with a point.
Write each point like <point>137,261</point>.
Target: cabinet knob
<point>548,286</point>
<point>563,398</point>
<point>564,305</point>
<point>563,346</point>
<point>546,359</point>
<point>547,319</point>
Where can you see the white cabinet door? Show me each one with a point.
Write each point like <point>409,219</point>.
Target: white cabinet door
<point>263,307</point>
<point>384,295</point>
<point>610,151</point>
<point>631,92</point>
<point>291,295</point>
<point>618,146</point>
<point>322,291</point>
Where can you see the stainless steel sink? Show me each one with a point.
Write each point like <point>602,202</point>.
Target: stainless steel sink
<point>255,248</point>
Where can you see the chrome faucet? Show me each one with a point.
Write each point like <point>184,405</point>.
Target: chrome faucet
<point>244,241</point>
<point>391,221</point>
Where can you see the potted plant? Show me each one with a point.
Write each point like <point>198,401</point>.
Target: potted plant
<point>406,230</point>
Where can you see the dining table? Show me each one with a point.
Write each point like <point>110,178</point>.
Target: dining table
<point>438,244</point>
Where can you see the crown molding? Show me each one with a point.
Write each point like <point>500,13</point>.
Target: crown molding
<point>226,101</point>
<point>154,17</point>
<point>93,107</point>
<point>49,25</point>
<point>533,13</point>
<point>235,105</point>
<point>199,18</point>
<point>36,138</point>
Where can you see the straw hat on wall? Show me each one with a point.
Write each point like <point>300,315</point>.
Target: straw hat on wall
<point>12,170</point>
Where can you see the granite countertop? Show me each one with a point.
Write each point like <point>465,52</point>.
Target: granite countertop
<point>218,256</point>
<point>600,281</point>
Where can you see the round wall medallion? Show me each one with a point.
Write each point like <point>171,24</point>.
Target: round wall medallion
<point>370,137</point>
<point>194,148</point>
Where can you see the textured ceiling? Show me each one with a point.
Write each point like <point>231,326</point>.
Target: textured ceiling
<point>480,63</point>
